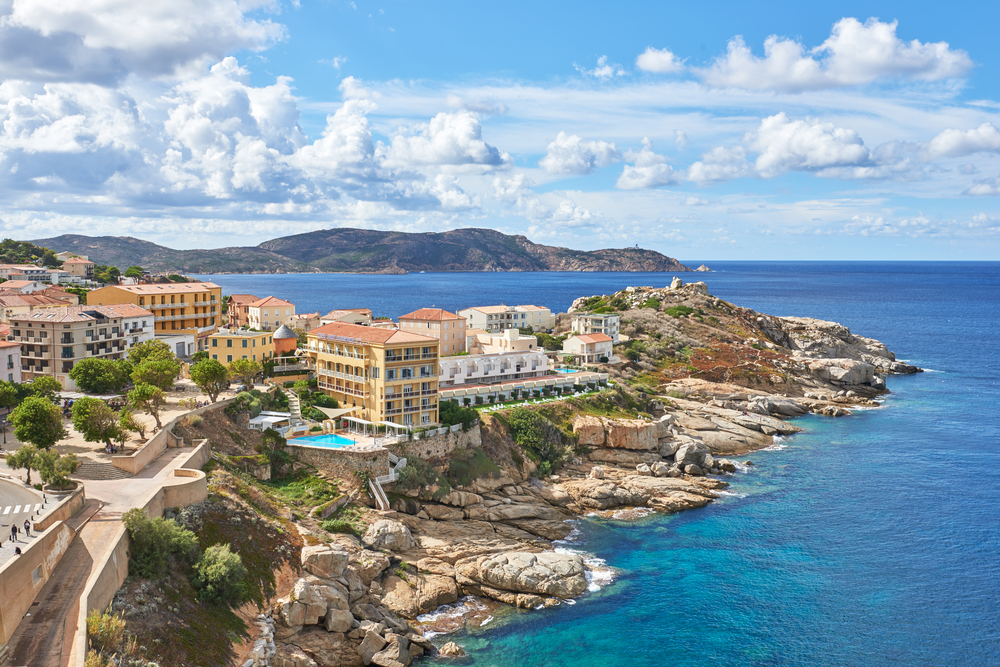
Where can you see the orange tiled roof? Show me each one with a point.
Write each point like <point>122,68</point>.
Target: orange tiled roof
<point>369,335</point>
<point>595,338</point>
<point>430,314</point>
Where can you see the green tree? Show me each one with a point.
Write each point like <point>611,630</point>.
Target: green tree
<point>38,421</point>
<point>200,355</point>
<point>25,457</point>
<point>149,399</point>
<point>211,377</point>
<point>46,387</point>
<point>244,370</point>
<point>8,395</point>
<point>134,272</point>
<point>149,349</point>
<point>220,577</point>
<point>129,423</point>
<point>55,469</point>
<point>100,376</point>
<point>159,372</point>
<point>49,259</point>
<point>95,420</point>
<point>153,540</point>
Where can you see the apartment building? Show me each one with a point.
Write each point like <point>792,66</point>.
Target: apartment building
<point>56,292</point>
<point>589,348</point>
<point>388,375</point>
<point>10,361</point>
<point>53,340</point>
<point>360,316</point>
<point>304,321</point>
<point>491,369</point>
<point>227,345</point>
<point>81,267</point>
<point>137,323</point>
<point>179,308</point>
<point>597,323</point>
<point>22,286</point>
<point>24,272</point>
<point>498,318</point>
<point>509,340</point>
<point>448,328</point>
<point>239,309</point>
<point>20,304</point>
<point>269,313</point>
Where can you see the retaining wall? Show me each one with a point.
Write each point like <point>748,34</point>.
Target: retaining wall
<point>342,463</point>
<point>442,445</point>
<point>66,508</point>
<point>22,577</point>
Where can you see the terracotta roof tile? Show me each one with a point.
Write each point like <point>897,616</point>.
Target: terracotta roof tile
<point>431,314</point>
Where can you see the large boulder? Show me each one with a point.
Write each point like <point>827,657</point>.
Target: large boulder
<point>843,371</point>
<point>418,594</point>
<point>589,430</point>
<point>372,644</point>
<point>389,534</point>
<point>692,452</point>
<point>548,574</point>
<point>635,434</point>
<point>324,561</point>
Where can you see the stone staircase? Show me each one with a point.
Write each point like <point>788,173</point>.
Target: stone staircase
<point>99,470</point>
<point>294,407</point>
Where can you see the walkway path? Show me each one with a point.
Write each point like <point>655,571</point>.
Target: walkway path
<point>47,637</point>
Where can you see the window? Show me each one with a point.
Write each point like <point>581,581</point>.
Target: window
<point>244,341</point>
<point>215,356</point>
<point>390,374</point>
<point>215,342</point>
<point>375,372</point>
<point>229,342</point>
<point>229,358</point>
<point>244,356</point>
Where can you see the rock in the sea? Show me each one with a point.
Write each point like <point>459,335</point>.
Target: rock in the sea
<point>451,650</point>
<point>703,268</point>
<point>389,534</point>
<point>547,574</point>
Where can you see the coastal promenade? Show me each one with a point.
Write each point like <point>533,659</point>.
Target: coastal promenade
<point>48,636</point>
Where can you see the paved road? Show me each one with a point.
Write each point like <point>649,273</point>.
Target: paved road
<point>17,503</point>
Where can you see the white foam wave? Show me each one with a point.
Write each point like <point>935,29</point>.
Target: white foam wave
<point>488,619</point>
<point>596,569</point>
<point>723,492</point>
<point>574,534</point>
<point>632,513</point>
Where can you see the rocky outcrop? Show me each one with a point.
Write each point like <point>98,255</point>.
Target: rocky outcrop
<point>388,534</point>
<point>547,574</point>
<point>630,434</point>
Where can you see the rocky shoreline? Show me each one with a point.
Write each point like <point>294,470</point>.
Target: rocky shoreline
<point>493,539</point>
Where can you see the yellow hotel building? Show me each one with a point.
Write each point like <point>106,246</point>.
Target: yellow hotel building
<point>390,375</point>
<point>178,308</point>
<point>227,346</point>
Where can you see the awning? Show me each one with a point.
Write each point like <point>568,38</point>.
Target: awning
<point>335,413</point>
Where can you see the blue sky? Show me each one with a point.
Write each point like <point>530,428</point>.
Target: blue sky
<point>714,131</point>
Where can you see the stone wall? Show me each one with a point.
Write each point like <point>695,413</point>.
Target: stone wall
<point>342,463</point>
<point>66,508</point>
<point>442,445</point>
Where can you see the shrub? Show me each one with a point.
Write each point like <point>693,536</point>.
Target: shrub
<point>537,437</point>
<point>452,413</point>
<point>651,302</point>
<point>604,360</point>
<point>195,421</point>
<point>220,577</point>
<point>467,465</point>
<point>106,631</point>
<point>338,526</point>
<point>679,311</point>
<point>315,429</point>
<point>154,540</point>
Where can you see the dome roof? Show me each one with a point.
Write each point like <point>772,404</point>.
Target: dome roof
<point>284,332</point>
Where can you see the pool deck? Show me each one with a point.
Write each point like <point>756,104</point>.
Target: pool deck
<point>362,443</point>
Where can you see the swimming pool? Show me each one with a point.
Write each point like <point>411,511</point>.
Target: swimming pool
<point>329,440</point>
<point>567,370</point>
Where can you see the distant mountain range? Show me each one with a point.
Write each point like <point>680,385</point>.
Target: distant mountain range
<point>365,251</point>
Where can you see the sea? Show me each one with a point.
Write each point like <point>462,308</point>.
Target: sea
<point>866,540</point>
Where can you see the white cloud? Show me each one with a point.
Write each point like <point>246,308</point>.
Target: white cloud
<point>958,143</point>
<point>604,70</point>
<point>569,154</point>
<point>680,139</point>
<point>449,139</point>
<point>648,170</point>
<point>854,54</point>
<point>661,61</point>
<point>335,62</point>
<point>722,163</point>
<point>989,187</point>
<point>101,41</point>
<point>487,107</point>
<point>786,145</point>
<point>695,201</point>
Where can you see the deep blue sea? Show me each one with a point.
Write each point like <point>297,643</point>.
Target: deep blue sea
<point>866,540</point>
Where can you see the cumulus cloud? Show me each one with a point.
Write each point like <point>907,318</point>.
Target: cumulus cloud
<point>721,163</point>
<point>604,69</point>
<point>516,191</point>
<point>661,61</point>
<point>786,145</point>
<point>449,139</point>
<point>989,187</point>
<point>101,41</point>
<point>958,143</point>
<point>569,154</point>
<point>855,53</point>
<point>648,170</point>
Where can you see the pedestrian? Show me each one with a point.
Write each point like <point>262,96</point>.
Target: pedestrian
<point>27,528</point>
<point>13,533</point>
<point>17,551</point>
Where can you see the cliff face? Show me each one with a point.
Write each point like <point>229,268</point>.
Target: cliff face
<point>367,251</point>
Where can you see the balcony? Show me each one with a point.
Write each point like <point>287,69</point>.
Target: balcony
<point>343,376</point>
<point>394,411</point>
<point>66,340</point>
<point>410,357</point>
<point>393,359</point>
<point>429,392</point>
<point>428,356</point>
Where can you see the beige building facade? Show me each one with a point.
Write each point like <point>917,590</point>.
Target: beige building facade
<point>499,318</point>
<point>179,308</point>
<point>227,345</point>
<point>449,328</point>
<point>387,375</point>
<point>269,313</point>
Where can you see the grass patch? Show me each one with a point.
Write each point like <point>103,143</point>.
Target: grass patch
<point>468,465</point>
<point>679,311</point>
<point>345,520</point>
<point>302,489</point>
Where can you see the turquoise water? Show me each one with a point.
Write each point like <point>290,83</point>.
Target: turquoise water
<point>868,540</point>
<point>329,440</point>
<point>566,370</point>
